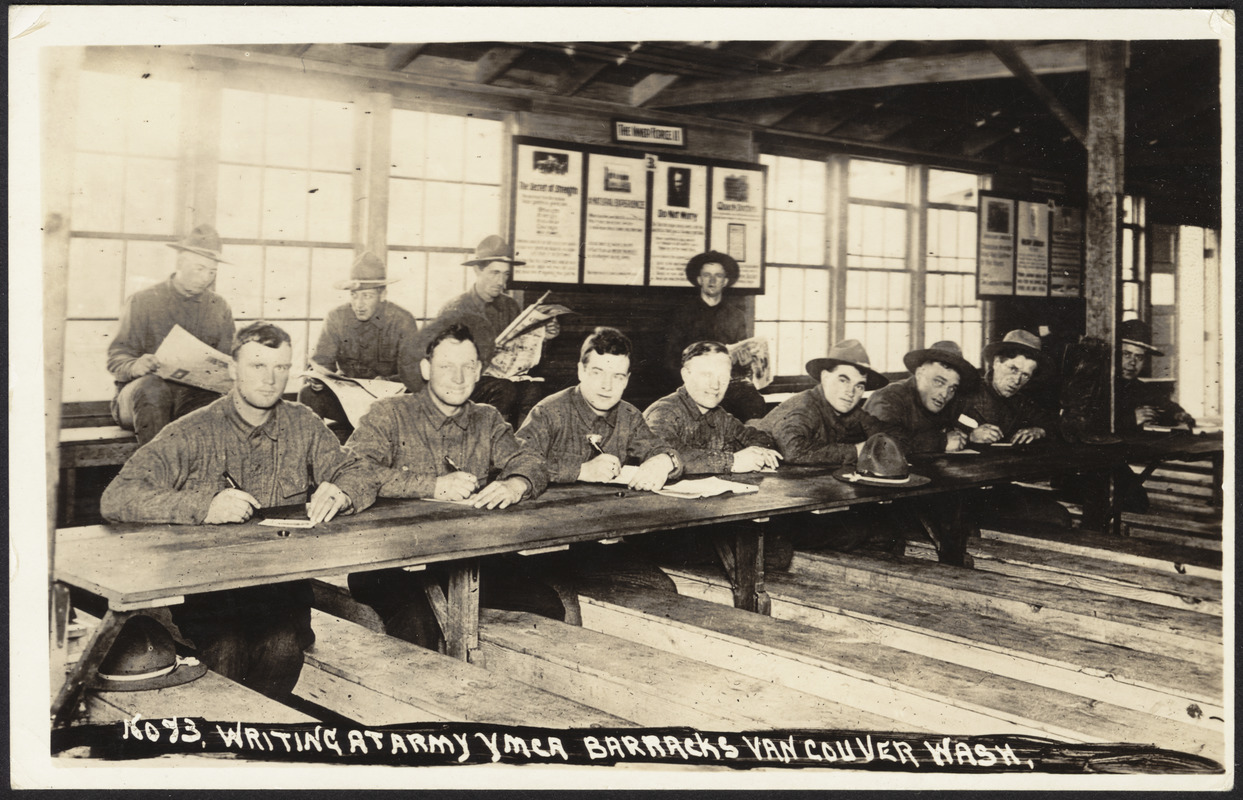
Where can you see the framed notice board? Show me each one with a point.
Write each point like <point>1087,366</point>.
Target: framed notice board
<point>1028,248</point>
<point>592,216</point>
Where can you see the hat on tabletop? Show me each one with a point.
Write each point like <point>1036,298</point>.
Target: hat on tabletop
<point>851,353</point>
<point>202,241</point>
<point>493,248</point>
<point>1018,342</point>
<point>948,353</point>
<point>144,657</point>
<point>881,463</point>
<point>367,272</point>
<point>1137,332</point>
<point>696,264</point>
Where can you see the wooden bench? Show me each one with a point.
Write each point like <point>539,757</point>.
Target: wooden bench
<point>919,690</point>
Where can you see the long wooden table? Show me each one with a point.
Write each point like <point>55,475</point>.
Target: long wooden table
<point>136,567</point>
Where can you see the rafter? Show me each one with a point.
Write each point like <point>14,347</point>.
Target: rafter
<point>579,76</point>
<point>1014,61</point>
<point>649,87</point>
<point>1053,58</point>
<point>858,52</point>
<point>495,62</point>
<point>400,56</point>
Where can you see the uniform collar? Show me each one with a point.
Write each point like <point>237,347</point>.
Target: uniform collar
<point>588,414</point>
<point>180,295</point>
<point>693,407</point>
<point>822,401</point>
<point>376,317</point>
<point>270,427</point>
<point>437,419</point>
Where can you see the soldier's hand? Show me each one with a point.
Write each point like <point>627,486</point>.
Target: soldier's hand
<point>985,434</point>
<point>652,474</point>
<point>754,459</point>
<point>1183,418</point>
<point>601,469</point>
<point>326,502</point>
<point>455,486</point>
<point>1026,435</point>
<point>501,494</point>
<point>553,329</point>
<point>955,440</point>
<point>145,365</point>
<point>1145,414</point>
<point>231,505</point>
<point>315,384</point>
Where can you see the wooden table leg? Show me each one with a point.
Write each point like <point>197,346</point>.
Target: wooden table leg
<point>958,529</point>
<point>462,628</point>
<point>65,704</point>
<point>743,559</point>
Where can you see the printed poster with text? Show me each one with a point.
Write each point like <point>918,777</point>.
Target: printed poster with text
<point>616,220</point>
<point>996,251</point>
<point>1031,259</point>
<point>679,220</point>
<point>548,190</point>
<point>1066,252</point>
<point>738,219</point>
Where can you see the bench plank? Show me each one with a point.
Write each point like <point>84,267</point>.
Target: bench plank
<point>1123,550</point>
<point>651,687</point>
<point>923,691</point>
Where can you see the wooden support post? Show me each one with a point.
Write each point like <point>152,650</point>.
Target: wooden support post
<point>373,134</point>
<point>201,141</point>
<point>743,560</point>
<point>462,631</point>
<point>65,704</point>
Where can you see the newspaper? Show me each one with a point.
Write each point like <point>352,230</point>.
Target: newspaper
<point>751,356</point>
<point>185,358</point>
<point>520,345</point>
<point>356,394</point>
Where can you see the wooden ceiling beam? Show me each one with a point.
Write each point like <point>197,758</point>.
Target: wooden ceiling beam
<point>400,56</point>
<point>858,52</point>
<point>494,63</point>
<point>574,79</point>
<point>1014,61</point>
<point>354,54</point>
<point>780,52</point>
<point>974,66</point>
<point>649,87</point>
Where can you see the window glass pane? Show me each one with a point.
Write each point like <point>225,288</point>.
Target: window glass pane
<point>410,292</point>
<point>99,183</point>
<point>897,343</point>
<point>405,212</point>
<point>1126,208</point>
<point>899,291</point>
<point>150,195</point>
<point>285,286</point>
<point>483,150</point>
<point>966,235</point>
<point>766,304</point>
<point>768,330</point>
<point>332,136</point>
<point>854,228</point>
<point>241,127</point>
<point>445,147</point>
<point>789,348</point>
<point>811,238</point>
<point>932,290</point>
<point>329,206</point>
<point>241,282</point>
<point>874,180</point>
<point>786,187</point>
<point>949,228</point>
<point>895,233</point>
<point>856,284</point>
<point>287,129</point>
<point>958,188</point>
<point>301,345</point>
<point>814,178</point>
<point>409,143</point>
<point>442,214</point>
<point>816,294</point>
<point>877,290</point>
<point>1162,289</point>
<point>784,237</point>
<point>154,119</point>
<point>815,342</point>
<point>1128,254</point>
<point>95,269</point>
<point>101,112</point>
<point>791,297</point>
<point>239,200</point>
<point>481,215</point>
<point>148,263</point>
<point>284,204</point>
<point>328,267</point>
<point>85,376</point>
<point>1130,296</point>
<point>445,279</point>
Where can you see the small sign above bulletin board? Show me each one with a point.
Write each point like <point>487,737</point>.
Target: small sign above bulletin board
<point>1029,248</point>
<point>597,216</point>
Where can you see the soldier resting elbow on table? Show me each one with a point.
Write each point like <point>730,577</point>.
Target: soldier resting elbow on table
<point>439,445</point>
<point>247,450</point>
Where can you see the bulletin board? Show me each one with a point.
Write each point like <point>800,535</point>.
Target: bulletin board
<point>1028,248</point>
<point>593,216</point>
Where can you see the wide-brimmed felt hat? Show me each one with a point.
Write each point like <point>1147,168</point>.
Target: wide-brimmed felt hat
<point>1137,332</point>
<point>948,353</point>
<point>367,272</point>
<point>493,248</point>
<point>881,463</point>
<point>144,657</point>
<point>851,353</point>
<point>1022,343</point>
<point>727,261</point>
<point>202,241</point>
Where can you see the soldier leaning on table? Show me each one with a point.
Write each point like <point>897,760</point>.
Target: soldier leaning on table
<point>144,401</point>
<point>440,445</point>
<point>272,451</point>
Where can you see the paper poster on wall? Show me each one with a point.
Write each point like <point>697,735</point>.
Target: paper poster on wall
<point>679,220</point>
<point>738,219</point>
<point>547,213</point>
<point>1066,252</point>
<point>996,252</point>
<point>1031,258</point>
<point>616,222</point>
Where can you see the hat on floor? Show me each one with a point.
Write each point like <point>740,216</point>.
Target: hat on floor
<point>851,353</point>
<point>948,353</point>
<point>696,265</point>
<point>367,272</point>
<point>881,463</point>
<point>144,657</point>
<point>1137,332</point>
<point>202,241</point>
<point>493,248</point>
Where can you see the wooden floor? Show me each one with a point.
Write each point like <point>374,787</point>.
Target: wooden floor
<point>1057,632</point>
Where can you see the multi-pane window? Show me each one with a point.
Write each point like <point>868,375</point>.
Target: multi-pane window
<point>951,310</point>
<point>1134,267</point>
<point>124,209</point>
<point>444,197</point>
<point>285,198</point>
<point>878,278</point>
<point>793,312</point>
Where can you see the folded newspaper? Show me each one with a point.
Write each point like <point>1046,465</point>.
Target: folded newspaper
<point>750,358</point>
<point>520,345</point>
<point>356,394</point>
<point>185,358</point>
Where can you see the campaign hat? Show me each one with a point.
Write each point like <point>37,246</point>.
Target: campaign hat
<point>144,657</point>
<point>696,264</point>
<point>202,241</point>
<point>1137,332</point>
<point>881,463</point>
<point>948,353</point>
<point>851,353</point>
<point>1019,342</point>
<point>492,248</point>
<point>367,272</point>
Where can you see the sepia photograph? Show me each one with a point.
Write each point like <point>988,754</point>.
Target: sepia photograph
<point>926,482</point>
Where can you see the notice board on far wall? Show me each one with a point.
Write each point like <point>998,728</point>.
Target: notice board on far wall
<point>1029,248</point>
<point>597,216</point>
